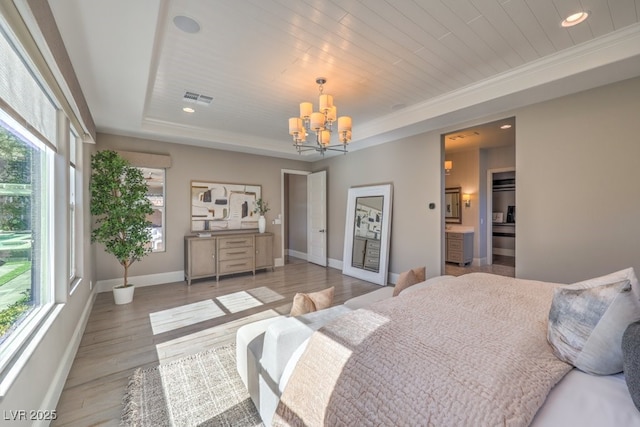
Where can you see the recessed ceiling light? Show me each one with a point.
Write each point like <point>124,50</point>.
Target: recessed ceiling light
<point>505,127</point>
<point>186,24</point>
<point>575,19</point>
<point>188,110</point>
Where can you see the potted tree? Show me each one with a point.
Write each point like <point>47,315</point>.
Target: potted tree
<point>120,207</point>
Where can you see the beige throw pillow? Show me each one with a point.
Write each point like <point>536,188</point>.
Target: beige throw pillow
<point>323,299</point>
<point>406,279</point>
<point>302,304</point>
<point>421,273</point>
<point>314,301</point>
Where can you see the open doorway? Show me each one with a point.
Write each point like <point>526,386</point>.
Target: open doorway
<point>294,209</point>
<point>470,156</point>
<point>304,203</point>
<point>501,205</point>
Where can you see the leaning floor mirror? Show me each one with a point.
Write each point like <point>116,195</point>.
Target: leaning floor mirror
<point>367,233</point>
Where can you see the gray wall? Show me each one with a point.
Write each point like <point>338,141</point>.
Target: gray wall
<point>200,164</point>
<point>413,166</point>
<point>578,184</point>
<point>576,189</point>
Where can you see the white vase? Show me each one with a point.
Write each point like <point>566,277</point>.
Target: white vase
<point>122,295</point>
<point>262,224</point>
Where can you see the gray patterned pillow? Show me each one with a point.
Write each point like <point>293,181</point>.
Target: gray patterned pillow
<point>587,320</point>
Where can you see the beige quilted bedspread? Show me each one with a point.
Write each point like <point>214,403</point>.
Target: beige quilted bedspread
<point>469,351</point>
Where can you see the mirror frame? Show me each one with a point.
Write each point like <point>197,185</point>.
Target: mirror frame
<point>453,219</point>
<point>380,277</point>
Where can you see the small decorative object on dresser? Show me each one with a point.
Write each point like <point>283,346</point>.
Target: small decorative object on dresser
<point>261,208</point>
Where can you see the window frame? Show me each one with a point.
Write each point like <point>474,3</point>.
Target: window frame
<point>162,208</point>
<point>18,345</point>
<point>26,329</point>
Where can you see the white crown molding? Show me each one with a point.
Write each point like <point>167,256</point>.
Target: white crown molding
<point>607,50</point>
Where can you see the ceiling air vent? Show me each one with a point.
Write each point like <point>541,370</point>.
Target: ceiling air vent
<point>197,98</point>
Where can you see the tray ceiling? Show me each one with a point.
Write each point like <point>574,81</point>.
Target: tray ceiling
<point>397,67</point>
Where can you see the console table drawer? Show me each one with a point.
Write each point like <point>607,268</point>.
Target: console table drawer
<point>235,242</point>
<point>235,265</point>
<point>235,253</point>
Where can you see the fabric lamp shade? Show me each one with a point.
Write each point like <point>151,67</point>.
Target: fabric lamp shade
<point>295,125</point>
<point>325,102</point>
<point>344,123</point>
<point>332,114</point>
<point>324,137</point>
<point>306,108</point>
<point>317,121</point>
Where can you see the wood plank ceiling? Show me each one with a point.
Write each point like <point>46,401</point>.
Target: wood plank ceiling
<point>258,59</point>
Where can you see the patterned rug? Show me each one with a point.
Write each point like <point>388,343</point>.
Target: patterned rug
<point>203,389</point>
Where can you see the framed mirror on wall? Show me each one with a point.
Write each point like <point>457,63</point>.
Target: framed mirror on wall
<point>452,208</point>
<point>367,233</point>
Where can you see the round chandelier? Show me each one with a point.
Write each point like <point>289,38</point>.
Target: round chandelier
<point>321,123</point>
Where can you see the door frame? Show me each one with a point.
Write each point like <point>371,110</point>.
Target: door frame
<point>490,173</point>
<point>285,219</point>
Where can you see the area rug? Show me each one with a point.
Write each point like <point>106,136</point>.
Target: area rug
<point>203,389</point>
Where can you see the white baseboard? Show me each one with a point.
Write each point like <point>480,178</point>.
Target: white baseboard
<point>57,384</point>
<point>278,262</point>
<point>479,262</point>
<point>146,280</point>
<point>297,254</point>
<point>334,263</point>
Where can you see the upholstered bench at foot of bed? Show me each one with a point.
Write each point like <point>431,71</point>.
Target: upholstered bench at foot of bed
<point>249,339</point>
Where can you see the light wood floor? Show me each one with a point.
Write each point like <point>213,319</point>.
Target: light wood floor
<point>119,339</point>
<point>502,265</point>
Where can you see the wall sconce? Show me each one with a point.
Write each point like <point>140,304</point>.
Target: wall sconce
<point>466,198</point>
<point>448,165</point>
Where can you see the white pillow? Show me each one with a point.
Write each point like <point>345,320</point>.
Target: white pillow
<point>587,320</point>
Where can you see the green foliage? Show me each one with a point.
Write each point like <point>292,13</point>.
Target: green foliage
<point>120,207</point>
<point>9,315</point>
<point>13,214</point>
<point>15,159</point>
<point>262,207</point>
<point>20,267</point>
<point>15,168</point>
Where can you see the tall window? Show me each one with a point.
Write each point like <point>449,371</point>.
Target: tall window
<point>72,208</point>
<point>27,148</point>
<point>25,270</point>
<point>155,184</point>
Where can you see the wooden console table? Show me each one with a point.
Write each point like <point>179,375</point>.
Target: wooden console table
<point>227,253</point>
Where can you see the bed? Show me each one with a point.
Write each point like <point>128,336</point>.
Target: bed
<point>471,350</point>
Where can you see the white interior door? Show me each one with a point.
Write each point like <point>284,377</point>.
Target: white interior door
<point>317,218</point>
